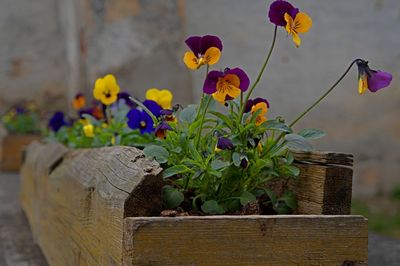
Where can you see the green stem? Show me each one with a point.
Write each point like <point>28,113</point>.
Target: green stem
<point>259,74</point>
<point>153,117</point>
<point>202,121</point>
<point>324,95</point>
<point>202,96</point>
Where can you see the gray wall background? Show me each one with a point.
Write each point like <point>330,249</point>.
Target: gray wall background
<point>50,49</point>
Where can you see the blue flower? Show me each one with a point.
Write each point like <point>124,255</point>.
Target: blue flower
<point>57,121</point>
<point>138,119</point>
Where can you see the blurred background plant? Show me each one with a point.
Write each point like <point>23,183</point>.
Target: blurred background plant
<point>22,119</point>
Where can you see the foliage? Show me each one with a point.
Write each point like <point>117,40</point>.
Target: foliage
<point>22,120</point>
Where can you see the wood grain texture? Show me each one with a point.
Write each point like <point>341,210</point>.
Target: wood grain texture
<point>84,200</point>
<point>324,157</point>
<point>11,150</point>
<point>246,240</point>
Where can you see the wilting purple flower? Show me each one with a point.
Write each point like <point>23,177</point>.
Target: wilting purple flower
<point>277,12</point>
<point>224,144</point>
<point>226,85</point>
<point>252,102</point>
<point>161,129</point>
<point>244,163</point>
<point>138,119</point>
<point>125,97</point>
<point>370,79</point>
<point>57,121</point>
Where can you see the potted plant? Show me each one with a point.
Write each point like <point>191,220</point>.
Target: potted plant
<point>206,187</point>
<point>22,126</point>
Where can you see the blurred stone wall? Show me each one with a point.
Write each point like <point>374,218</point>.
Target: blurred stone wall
<point>52,49</point>
<point>368,125</point>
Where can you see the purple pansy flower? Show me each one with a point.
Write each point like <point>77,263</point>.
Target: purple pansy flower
<point>370,79</point>
<point>205,50</point>
<point>252,102</point>
<point>57,121</point>
<point>161,129</point>
<point>224,144</point>
<point>138,119</point>
<point>226,85</point>
<point>277,12</point>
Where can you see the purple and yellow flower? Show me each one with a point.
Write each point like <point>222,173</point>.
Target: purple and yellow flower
<point>205,50</point>
<point>106,89</point>
<point>161,130</point>
<point>284,14</point>
<point>168,115</point>
<point>252,102</point>
<point>262,105</point>
<point>372,80</point>
<point>224,144</point>
<point>226,85</point>
<point>138,119</point>
<point>79,101</point>
<point>57,121</point>
<point>162,97</point>
<point>277,11</point>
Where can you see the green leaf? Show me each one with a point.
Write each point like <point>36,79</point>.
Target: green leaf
<point>188,114</point>
<point>271,195</point>
<point>176,169</point>
<point>218,164</point>
<point>297,142</point>
<point>157,152</point>
<point>247,198</point>
<point>281,208</point>
<point>311,133</point>
<point>290,199</point>
<point>212,207</point>
<point>172,197</point>
<point>275,125</point>
<point>223,117</point>
<point>236,159</point>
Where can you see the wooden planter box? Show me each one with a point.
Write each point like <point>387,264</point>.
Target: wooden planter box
<point>11,150</point>
<point>93,207</point>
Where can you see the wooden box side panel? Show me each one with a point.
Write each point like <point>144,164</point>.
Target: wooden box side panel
<point>82,202</point>
<point>12,150</point>
<point>246,240</point>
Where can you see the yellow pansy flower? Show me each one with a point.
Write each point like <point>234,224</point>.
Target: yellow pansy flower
<point>106,89</point>
<point>162,97</point>
<point>300,24</point>
<point>88,130</point>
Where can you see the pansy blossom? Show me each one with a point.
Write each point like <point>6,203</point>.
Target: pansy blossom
<point>139,119</point>
<point>57,121</point>
<point>226,85</point>
<point>262,108</point>
<point>79,101</point>
<point>224,144</point>
<point>372,80</point>
<point>106,89</point>
<point>88,130</point>
<point>205,50</point>
<point>162,97</point>
<point>161,130</point>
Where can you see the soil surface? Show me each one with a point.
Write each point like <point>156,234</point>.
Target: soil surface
<point>17,247</point>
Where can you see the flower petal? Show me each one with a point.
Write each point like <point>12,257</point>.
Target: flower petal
<point>296,39</point>
<point>134,117</point>
<point>210,84</point>
<point>190,60</point>
<point>244,79</point>
<point>220,96</point>
<point>111,84</point>
<point>99,87</point>
<point>209,41</point>
<point>379,80</point>
<point>277,11</point>
<point>153,107</point>
<point>165,99</point>
<point>362,84</point>
<point>194,43</point>
<point>302,23</point>
<point>152,94</point>
<point>212,55</point>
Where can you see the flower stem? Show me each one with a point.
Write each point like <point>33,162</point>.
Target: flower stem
<point>259,74</point>
<point>203,95</point>
<point>153,117</point>
<point>202,121</point>
<point>324,95</point>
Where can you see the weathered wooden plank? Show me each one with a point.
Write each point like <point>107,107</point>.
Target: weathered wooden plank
<point>12,147</point>
<point>246,240</point>
<point>86,195</point>
<point>324,157</point>
<point>323,189</point>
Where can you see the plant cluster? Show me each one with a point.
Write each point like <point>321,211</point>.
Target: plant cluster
<point>22,119</point>
<point>215,162</point>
